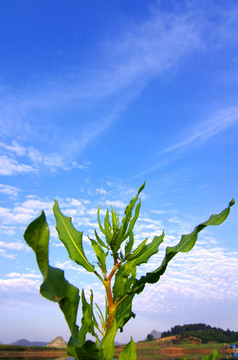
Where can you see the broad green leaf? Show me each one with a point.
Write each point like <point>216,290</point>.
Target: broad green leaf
<point>71,238</point>
<point>55,287</point>
<point>129,352</point>
<point>124,312</point>
<point>89,350</point>
<point>101,256</point>
<point>186,244</point>
<point>37,237</point>
<point>142,255</point>
<point>107,347</point>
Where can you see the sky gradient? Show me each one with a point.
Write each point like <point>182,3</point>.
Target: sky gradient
<point>96,98</point>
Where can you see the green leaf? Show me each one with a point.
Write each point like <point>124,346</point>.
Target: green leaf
<point>55,287</point>
<point>71,238</point>
<point>124,313</point>
<point>142,255</point>
<point>107,347</point>
<point>124,278</point>
<point>107,228</point>
<point>138,249</point>
<point>186,243</point>
<point>129,244</point>
<point>89,350</point>
<point>133,220</point>
<point>37,237</point>
<point>100,241</point>
<point>115,220</point>
<point>99,222</point>
<point>129,352</point>
<point>101,256</point>
<point>213,356</point>
<point>129,209</point>
<point>88,320</point>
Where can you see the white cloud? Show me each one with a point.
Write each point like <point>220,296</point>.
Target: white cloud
<point>8,249</point>
<point>9,190</point>
<point>24,212</point>
<point>68,265</point>
<point>20,284</point>
<point>9,166</point>
<point>200,276</point>
<point>101,191</point>
<point>12,245</point>
<point>115,203</point>
<point>25,276</point>
<point>14,148</point>
<point>10,230</point>
<point>4,254</point>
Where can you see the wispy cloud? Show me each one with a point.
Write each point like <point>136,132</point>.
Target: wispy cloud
<point>208,128</point>
<point>196,135</point>
<point>14,157</point>
<point>9,250</point>
<point>9,166</point>
<point>9,190</point>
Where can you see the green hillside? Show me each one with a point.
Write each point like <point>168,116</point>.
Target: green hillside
<point>204,332</point>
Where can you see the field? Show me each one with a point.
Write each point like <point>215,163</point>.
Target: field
<point>31,352</point>
<point>167,349</point>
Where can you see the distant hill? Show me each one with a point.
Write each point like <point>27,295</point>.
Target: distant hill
<point>24,342</point>
<point>58,342</point>
<point>204,332</point>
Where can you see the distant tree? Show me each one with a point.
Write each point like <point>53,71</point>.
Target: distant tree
<point>150,337</point>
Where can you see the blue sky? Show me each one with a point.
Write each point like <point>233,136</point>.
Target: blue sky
<point>96,98</point>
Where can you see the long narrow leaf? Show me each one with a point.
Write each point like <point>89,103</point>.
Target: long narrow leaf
<point>101,256</point>
<point>71,238</point>
<point>55,287</point>
<point>186,243</point>
<point>129,245</point>
<point>143,255</point>
<point>100,241</point>
<point>88,320</point>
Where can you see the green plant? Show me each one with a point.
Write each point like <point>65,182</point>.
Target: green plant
<point>120,283</point>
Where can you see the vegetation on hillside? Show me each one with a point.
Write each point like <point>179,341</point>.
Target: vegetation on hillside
<point>204,332</point>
